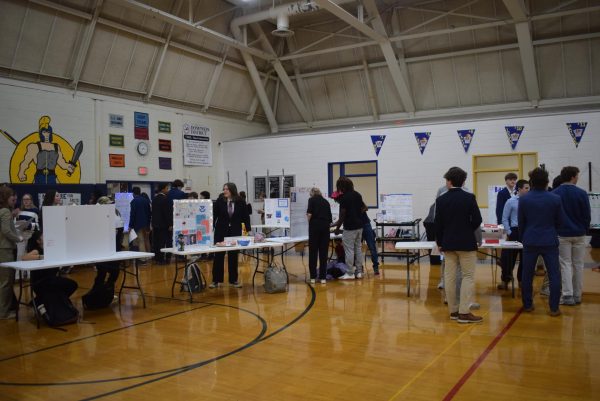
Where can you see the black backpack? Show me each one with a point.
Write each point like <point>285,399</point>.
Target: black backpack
<point>56,309</point>
<point>193,280</point>
<point>99,297</point>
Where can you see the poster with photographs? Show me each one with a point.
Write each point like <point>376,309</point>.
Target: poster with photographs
<point>193,220</point>
<point>277,212</point>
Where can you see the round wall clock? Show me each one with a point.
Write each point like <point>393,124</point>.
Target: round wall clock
<point>143,148</point>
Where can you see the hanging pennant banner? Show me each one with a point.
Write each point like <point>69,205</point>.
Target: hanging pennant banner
<point>377,143</point>
<point>514,134</point>
<point>576,130</point>
<point>422,140</point>
<point>466,137</point>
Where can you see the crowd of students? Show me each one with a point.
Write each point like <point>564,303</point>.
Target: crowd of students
<point>551,225</point>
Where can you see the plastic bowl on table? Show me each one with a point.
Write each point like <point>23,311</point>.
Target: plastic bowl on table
<point>243,242</point>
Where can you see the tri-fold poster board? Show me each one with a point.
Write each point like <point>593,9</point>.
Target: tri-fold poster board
<point>78,231</point>
<point>193,220</point>
<point>277,212</point>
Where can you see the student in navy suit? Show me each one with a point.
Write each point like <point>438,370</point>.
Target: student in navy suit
<point>456,218</point>
<point>229,212</point>
<point>505,194</point>
<point>539,216</point>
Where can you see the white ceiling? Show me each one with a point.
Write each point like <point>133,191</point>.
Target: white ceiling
<point>405,60</point>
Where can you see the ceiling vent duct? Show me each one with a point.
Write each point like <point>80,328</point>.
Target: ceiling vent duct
<point>283,26</point>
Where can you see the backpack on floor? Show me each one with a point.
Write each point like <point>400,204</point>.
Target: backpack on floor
<point>193,281</point>
<point>275,280</point>
<point>99,297</point>
<point>56,309</point>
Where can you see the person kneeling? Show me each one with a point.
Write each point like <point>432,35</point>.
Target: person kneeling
<point>52,290</point>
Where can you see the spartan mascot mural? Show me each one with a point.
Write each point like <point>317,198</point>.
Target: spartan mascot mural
<point>41,157</point>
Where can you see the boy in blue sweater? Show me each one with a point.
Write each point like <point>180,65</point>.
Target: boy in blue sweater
<point>571,235</point>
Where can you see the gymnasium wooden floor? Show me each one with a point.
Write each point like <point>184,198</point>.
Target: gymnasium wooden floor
<point>362,340</point>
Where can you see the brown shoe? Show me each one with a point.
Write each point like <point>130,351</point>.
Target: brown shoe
<point>554,313</point>
<point>454,316</point>
<point>469,318</point>
<point>503,285</point>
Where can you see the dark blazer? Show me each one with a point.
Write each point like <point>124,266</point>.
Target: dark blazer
<point>139,213</point>
<point>501,199</point>
<point>456,218</point>
<point>162,211</point>
<point>226,226</point>
<point>540,215</point>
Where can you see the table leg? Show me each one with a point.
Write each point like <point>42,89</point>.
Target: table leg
<point>407,273</point>
<point>136,274</point>
<point>175,278</point>
<point>20,295</point>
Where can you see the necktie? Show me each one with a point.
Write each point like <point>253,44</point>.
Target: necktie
<point>230,208</point>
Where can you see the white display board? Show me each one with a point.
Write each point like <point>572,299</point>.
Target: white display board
<point>197,145</point>
<point>277,212</point>
<point>492,196</point>
<point>193,218</point>
<point>299,197</point>
<point>123,205</point>
<point>335,209</point>
<point>396,208</point>
<point>78,231</point>
<point>595,206</point>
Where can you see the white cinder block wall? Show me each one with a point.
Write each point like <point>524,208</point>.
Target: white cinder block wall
<point>85,117</point>
<point>402,168</point>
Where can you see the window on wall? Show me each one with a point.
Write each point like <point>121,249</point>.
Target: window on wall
<point>274,186</point>
<point>362,173</point>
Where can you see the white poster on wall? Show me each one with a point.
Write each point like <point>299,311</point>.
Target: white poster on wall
<point>123,205</point>
<point>299,202</point>
<point>193,221</point>
<point>492,195</point>
<point>66,198</point>
<point>277,212</point>
<point>197,146</point>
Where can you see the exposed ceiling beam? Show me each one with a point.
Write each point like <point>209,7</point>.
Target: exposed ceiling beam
<point>138,32</point>
<point>473,16</point>
<point>518,11</point>
<point>399,78</point>
<point>180,22</point>
<point>255,100</point>
<point>255,78</point>
<point>380,36</point>
<point>163,52</point>
<point>429,21</point>
<point>85,45</point>
<point>291,45</point>
<point>282,74</point>
<point>351,20</point>
<point>214,79</point>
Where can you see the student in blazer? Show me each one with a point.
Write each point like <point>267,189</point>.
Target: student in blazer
<point>456,218</point>
<point>540,215</point>
<point>229,212</point>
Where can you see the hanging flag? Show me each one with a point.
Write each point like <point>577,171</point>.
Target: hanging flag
<point>422,140</point>
<point>576,130</point>
<point>466,137</point>
<point>377,142</point>
<point>514,134</point>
